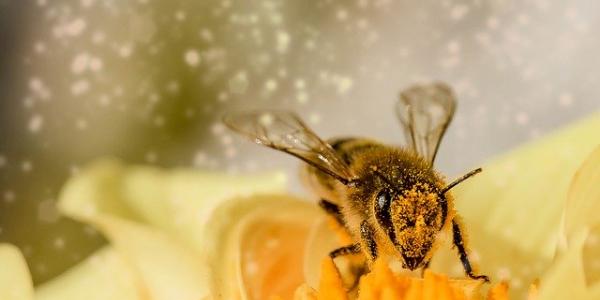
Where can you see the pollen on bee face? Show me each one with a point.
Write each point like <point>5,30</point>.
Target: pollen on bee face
<point>416,217</point>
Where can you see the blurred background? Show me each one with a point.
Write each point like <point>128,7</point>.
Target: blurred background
<point>147,81</point>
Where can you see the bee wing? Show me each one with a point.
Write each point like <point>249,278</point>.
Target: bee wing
<point>425,112</point>
<point>285,131</point>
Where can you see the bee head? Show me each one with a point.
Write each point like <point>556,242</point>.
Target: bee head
<point>411,218</point>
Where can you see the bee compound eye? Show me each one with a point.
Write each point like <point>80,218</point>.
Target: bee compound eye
<point>384,200</point>
<point>382,211</point>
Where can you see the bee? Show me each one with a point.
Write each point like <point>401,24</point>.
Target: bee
<point>390,199</point>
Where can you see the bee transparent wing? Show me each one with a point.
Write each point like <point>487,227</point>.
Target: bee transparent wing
<point>285,131</point>
<point>425,112</point>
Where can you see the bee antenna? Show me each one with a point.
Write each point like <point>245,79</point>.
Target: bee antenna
<point>459,180</point>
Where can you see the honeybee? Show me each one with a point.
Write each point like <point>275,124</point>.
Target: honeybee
<point>390,199</point>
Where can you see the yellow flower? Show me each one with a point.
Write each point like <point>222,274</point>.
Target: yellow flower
<point>184,234</point>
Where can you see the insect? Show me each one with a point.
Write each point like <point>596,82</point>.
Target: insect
<point>390,199</point>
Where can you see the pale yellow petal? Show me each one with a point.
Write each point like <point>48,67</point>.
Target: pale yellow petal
<point>582,213</point>
<point>15,280</point>
<point>565,279</point>
<point>181,201</point>
<point>251,249</point>
<point>512,210</point>
<point>168,269</point>
<point>177,201</point>
<point>104,275</point>
<point>96,190</point>
<point>583,206</point>
<point>184,231</point>
<point>520,196</point>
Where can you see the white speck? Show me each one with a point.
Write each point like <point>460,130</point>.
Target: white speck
<point>282,73</point>
<point>192,57</point>
<point>35,123</point>
<point>180,15</point>
<point>251,268</point>
<point>266,119</point>
<point>9,196</point>
<point>223,97</point>
<point>35,84</point>
<point>239,83</point>
<point>565,100</point>
<point>206,35</point>
<point>74,170</point>
<point>59,243</point>
<point>230,152</point>
<point>91,231</point>
<point>159,121</point>
<point>314,118</point>
<point>26,166</point>
<point>81,124</point>
<point>2,161</point>
<point>75,27</point>
<point>173,87</point>
<point>503,273</point>
<point>87,3</point>
<point>98,37</point>
<point>522,118</point>
<point>80,63</point>
<point>343,84</point>
<point>492,23</point>
<point>362,24</point>
<point>218,129</point>
<point>47,211</point>
<point>302,97</point>
<point>523,19</point>
<point>310,44</point>
<point>283,41</point>
<point>125,51</point>
<point>39,47</point>
<point>276,18</point>
<point>459,11</point>
<point>253,19</point>
<point>151,157</point>
<point>200,158</point>
<point>271,85</point>
<point>226,140</point>
<point>80,87</point>
<point>118,91</point>
<point>300,84</point>
<point>96,64</point>
<point>342,15</point>
<point>272,243</point>
<point>453,47</point>
<point>190,113</point>
<point>251,165</point>
<point>450,61</point>
<point>39,88</point>
<point>104,100</point>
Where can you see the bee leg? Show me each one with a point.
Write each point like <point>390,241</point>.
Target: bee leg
<point>462,252</point>
<point>355,271</point>
<point>425,267</point>
<point>366,234</point>
<point>333,210</point>
<point>350,249</point>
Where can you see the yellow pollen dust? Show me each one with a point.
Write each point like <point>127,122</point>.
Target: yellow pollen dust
<point>383,284</point>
